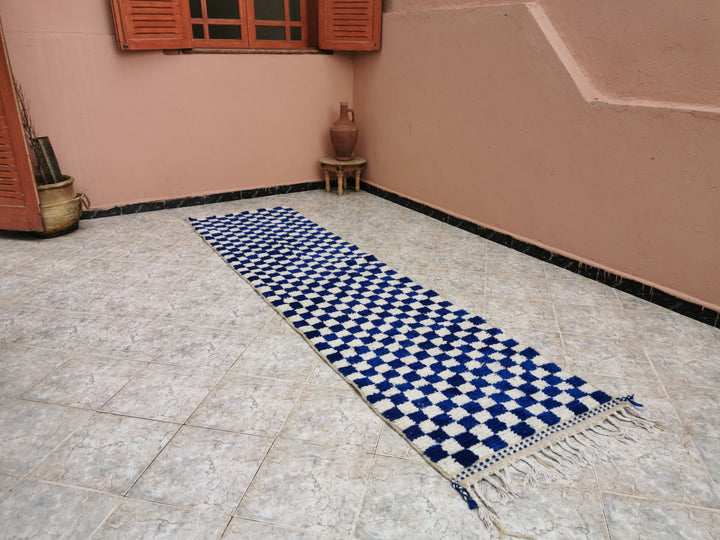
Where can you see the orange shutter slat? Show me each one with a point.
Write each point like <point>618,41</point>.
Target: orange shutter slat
<point>142,25</point>
<point>19,208</point>
<point>350,25</point>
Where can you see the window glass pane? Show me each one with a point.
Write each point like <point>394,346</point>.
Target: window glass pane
<point>275,33</point>
<point>223,9</point>
<point>198,32</point>
<point>218,31</point>
<point>295,33</point>
<point>270,10</point>
<point>294,8</point>
<point>195,9</point>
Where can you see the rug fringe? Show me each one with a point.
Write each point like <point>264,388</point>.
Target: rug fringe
<point>556,461</point>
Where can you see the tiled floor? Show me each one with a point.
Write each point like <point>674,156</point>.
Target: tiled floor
<point>147,392</point>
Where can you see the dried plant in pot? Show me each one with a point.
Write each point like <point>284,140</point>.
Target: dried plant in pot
<point>60,206</point>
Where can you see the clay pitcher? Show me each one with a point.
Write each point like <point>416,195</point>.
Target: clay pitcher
<point>344,133</point>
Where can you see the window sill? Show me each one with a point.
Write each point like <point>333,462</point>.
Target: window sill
<point>246,51</point>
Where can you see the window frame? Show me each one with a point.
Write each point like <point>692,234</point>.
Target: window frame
<point>248,29</point>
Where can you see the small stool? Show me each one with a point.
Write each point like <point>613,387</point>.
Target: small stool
<point>341,169</point>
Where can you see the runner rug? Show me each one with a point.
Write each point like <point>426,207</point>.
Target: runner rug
<point>480,407</point>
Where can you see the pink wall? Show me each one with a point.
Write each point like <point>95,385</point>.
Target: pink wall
<point>471,111</point>
<point>665,50</point>
<point>142,126</point>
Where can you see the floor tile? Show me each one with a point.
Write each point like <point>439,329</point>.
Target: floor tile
<point>21,448</point>
<point>689,364</point>
<point>629,517</point>
<point>326,486</point>
<point>575,514</point>
<point>509,314</point>
<point>107,454</point>
<point>603,321</point>
<point>609,357</point>
<point>21,367</point>
<point>197,346</point>
<point>244,529</point>
<point>283,355</point>
<point>162,392</point>
<point>36,509</point>
<point>709,449</point>
<point>391,444</point>
<point>203,469</point>
<point>698,408</point>
<point>142,519</point>
<point>85,381</point>
<point>333,416</point>
<point>664,466</point>
<point>246,404</point>
<point>409,499</point>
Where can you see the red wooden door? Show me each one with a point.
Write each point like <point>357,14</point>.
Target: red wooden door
<point>19,208</point>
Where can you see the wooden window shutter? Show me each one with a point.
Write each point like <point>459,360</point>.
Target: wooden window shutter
<point>349,25</point>
<point>142,25</point>
<point>19,208</point>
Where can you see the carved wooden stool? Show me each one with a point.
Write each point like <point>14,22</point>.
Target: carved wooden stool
<point>342,169</point>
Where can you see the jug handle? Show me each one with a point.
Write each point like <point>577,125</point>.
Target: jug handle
<point>351,112</point>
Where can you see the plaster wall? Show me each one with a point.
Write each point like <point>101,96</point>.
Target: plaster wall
<point>469,109</point>
<point>144,126</point>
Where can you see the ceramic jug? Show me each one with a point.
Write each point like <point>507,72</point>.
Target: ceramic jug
<point>344,133</point>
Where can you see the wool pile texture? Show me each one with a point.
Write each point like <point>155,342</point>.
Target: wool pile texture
<point>478,405</point>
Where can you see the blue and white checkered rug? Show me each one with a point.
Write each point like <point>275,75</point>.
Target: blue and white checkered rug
<point>471,400</point>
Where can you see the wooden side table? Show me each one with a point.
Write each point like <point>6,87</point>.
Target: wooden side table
<point>341,169</point>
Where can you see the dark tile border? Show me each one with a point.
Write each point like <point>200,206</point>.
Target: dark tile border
<point>630,286</point>
<point>204,199</point>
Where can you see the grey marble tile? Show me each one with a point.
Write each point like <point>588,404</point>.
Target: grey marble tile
<point>245,529</point>
<point>59,330</point>
<point>709,449</point>
<point>203,469</point>
<point>198,346</point>
<point>324,375</point>
<point>134,337</point>
<point>629,517</point>
<point>509,314</point>
<point>668,327</point>
<point>603,321</point>
<point>333,416</point>
<point>656,406</point>
<point>85,381</point>
<point>503,260</point>
<point>17,284</point>
<point>409,499</point>
<point>282,355</point>
<point>36,509</point>
<point>142,519</point>
<point>7,482</point>
<point>609,357</point>
<point>248,312</point>
<point>162,392</point>
<point>580,291</point>
<point>391,444</point>
<point>661,465</point>
<point>326,486</point>
<point>689,364</point>
<point>247,404</point>
<point>108,453</point>
<point>530,287</point>
<point>21,448</point>
<point>698,409</point>
<point>21,367</point>
<point>552,512</point>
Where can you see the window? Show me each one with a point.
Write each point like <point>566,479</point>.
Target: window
<point>248,24</point>
<point>257,24</point>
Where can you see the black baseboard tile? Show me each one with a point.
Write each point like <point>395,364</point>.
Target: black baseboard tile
<point>626,285</point>
<point>200,200</point>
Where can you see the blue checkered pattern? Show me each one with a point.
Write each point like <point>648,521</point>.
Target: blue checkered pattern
<point>460,391</point>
